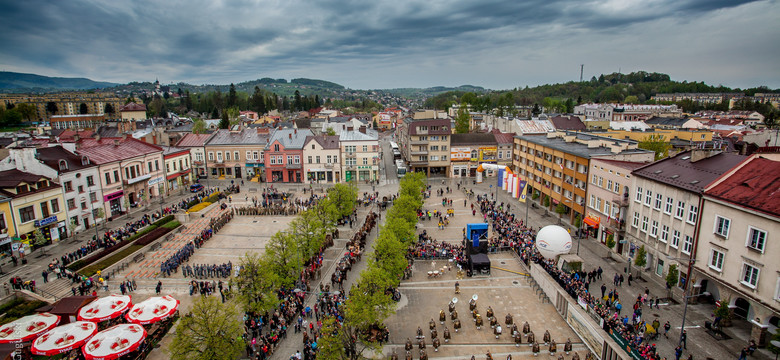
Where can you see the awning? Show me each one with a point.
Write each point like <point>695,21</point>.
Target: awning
<point>180,173</point>
<point>592,221</point>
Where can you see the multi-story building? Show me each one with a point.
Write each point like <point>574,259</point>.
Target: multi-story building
<point>504,143</point>
<point>665,204</point>
<point>283,155</point>
<point>608,189</point>
<point>469,150</point>
<point>556,165</point>
<point>321,156</point>
<point>133,112</point>
<point>625,112</point>
<point>131,171</point>
<point>701,98</point>
<point>360,155</point>
<point>235,153</point>
<point>425,144</point>
<point>37,205</point>
<point>80,121</point>
<point>7,232</point>
<point>178,168</point>
<point>735,255</point>
<point>67,103</point>
<point>196,144</point>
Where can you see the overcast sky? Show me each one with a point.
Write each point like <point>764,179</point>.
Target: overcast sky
<point>370,44</point>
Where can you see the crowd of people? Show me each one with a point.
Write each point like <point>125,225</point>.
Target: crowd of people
<point>202,271</point>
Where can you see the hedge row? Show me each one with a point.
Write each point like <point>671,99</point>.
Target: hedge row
<point>111,260</point>
<point>105,252</point>
<point>19,308</point>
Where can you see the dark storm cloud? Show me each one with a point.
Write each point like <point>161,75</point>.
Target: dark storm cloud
<point>206,41</point>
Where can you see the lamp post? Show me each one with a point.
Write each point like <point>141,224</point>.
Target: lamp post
<point>685,291</point>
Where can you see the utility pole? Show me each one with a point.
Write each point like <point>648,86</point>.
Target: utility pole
<point>582,67</point>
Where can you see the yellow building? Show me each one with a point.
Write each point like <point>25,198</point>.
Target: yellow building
<point>36,204</point>
<point>6,224</point>
<point>666,135</point>
<point>66,103</point>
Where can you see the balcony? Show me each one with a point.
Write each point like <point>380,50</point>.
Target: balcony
<point>137,179</point>
<point>619,226</point>
<point>418,142</point>
<point>622,201</point>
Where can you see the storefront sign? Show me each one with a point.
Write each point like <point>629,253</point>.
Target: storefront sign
<point>113,196</point>
<point>368,167</point>
<point>4,239</point>
<point>460,154</point>
<point>155,181</point>
<point>47,221</point>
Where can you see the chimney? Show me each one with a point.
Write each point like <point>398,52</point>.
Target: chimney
<point>76,137</point>
<point>116,142</point>
<point>701,154</point>
<point>289,135</point>
<point>97,138</point>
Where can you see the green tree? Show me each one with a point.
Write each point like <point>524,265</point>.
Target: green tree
<point>28,111</point>
<point>672,278</point>
<point>51,107</point>
<point>546,201</point>
<point>109,109</point>
<point>199,126</point>
<point>631,99</point>
<point>610,242</point>
<point>640,259</point>
<point>83,109</point>
<point>72,227</point>
<point>282,254</point>
<point>255,285</point>
<point>657,145</point>
<point>224,123</point>
<point>232,97</point>
<point>39,240</point>
<point>561,209</point>
<point>330,132</point>
<point>211,331</point>
<point>331,343</point>
<point>11,118</point>
<point>462,121</point>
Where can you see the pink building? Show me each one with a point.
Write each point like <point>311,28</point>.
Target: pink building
<point>284,154</point>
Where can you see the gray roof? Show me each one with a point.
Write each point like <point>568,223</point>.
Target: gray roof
<point>670,121</point>
<point>244,137</point>
<point>167,150</point>
<point>356,136</point>
<point>679,171</point>
<point>574,148</point>
<point>290,138</point>
<point>473,139</point>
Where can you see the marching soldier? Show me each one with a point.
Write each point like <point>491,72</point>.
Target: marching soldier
<point>489,356</point>
<point>493,322</point>
<point>553,347</point>
<point>446,335</point>
<point>442,317</point>
<point>546,337</point>
<point>434,333</point>
<point>576,356</point>
<point>518,339</point>
<point>394,355</point>
<point>531,338</point>
<point>508,319</point>
<point>472,304</point>
<point>535,348</point>
<point>514,330</point>
<point>419,333</point>
<point>567,346</point>
<point>436,344</point>
<point>456,325</point>
<point>421,343</point>
<point>457,287</point>
<point>432,324</point>
<point>474,314</point>
<point>454,315</point>
<point>409,355</point>
<point>451,307</point>
<point>408,346</point>
<point>478,321</point>
<point>497,331</point>
<point>526,328</point>
<point>423,355</point>
<point>489,312</point>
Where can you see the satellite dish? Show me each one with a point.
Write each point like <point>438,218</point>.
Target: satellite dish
<point>553,240</point>
<point>454,300</point>
<point>475,297</point>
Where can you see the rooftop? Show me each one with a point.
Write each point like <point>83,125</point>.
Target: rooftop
<point>534,126</point>
<point>356,136</point>
<point>51,156</point>
<point>170,150</point>
<point>568,123</point>
<point>326,141</point>
<point>108,150</point>
<point>193,140</point>
<point>666,121</point>
<point>756,186</point>
<point>579,149</point>
<point>414,125</point>
<point>628,165</point>
<point>682,171</point>
<point>473,139</point>
<point>290,138</point>
<point>133,107</point>
<point>243,137</point>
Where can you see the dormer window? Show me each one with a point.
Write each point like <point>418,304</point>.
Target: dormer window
<point>84,160</point>
<point>63,165</point>
<point>276,147</point>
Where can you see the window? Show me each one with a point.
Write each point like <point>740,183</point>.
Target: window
<point>71,203</point>
<point>297,159</point>
<point>756,239</point>
<point>365,160</point>
<point>749,275</point>
<point>365,148</point>
<point>254,155</point>
<point>227,155</point>
<point>635,221</point>
<point>675,239</point>
<point>598,203</point>
<point>680,210</point>
<point>601,181</point>
<point>648,197</point>
<point>75,220</point>
<point>3,226</point>
<point>27,214</point>
<point>592,201</point>
<point>617,189</point>
<point>716,260</point>
<point>92,197</point>
<point>219,156</point>
<point>654,228</point>
<point>664,233</point>
<point>310,158</point>
<point>249,155</point>
<point>45,209</point>
<point>289,159</point>
<point>157,165</point>
<point>644,223</point>
<point>658,200</point>
<point>694,210</point>
<point>81,189</point>
<point>317,158</point>
<point>149,166</point>
<point>108,178</point>
<point>609,184</point>
<point>638,195</point>
<point>276,147</point>
<point>68,186</point>
<point>83,205</point>
<point>211,156</point>
<point>687,244</point>
<point>116,175</point>
<point>669,205</point>
<point>722,226</point>
<point>55,206</point>
<point>328,158</point>
<point>90,181</point>
<point>607,207</point>
<point>236,156</point>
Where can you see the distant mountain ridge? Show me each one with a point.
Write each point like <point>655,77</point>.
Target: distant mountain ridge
<point>21,82</point>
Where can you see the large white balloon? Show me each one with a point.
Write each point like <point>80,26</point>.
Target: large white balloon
<point>553,240</point>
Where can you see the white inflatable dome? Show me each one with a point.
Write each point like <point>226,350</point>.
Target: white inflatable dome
<point>553,240</point>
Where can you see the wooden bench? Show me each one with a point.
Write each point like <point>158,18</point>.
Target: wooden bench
<point>139,257</point>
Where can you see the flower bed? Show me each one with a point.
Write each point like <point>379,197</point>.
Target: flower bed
<point>111,260</point>
<point>199,207</point>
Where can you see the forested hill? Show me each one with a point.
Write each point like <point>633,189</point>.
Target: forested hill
<point>637,87</point>
<point>21,82</point>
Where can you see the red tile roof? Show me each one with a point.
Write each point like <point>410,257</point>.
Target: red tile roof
<point>193,140</point>
<point>133,107</point>
<point>755,186</point>
<point>503,138</point>
<point>68,134</point>
<point>106,150</point>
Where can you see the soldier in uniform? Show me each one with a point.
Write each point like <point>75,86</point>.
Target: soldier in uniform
<point>419,332</point>
<point>394,355</point>
<point>432,324</point>
<point>497,331</point>
<point>518,338</point>
<point>457,287</point>
<point>553,347</point>
<point>408,346</point>
<point>454,315</point>
<point>421,343</point>
<point>567,346</point>
<point>546,337</point>
<point>472,304</point>
<point>531,337</point>
<point>451,307</point>
<point>508,319</point>
<point>489,356</point>
<point>489,312</point>
<point>456,325</point>
<point>446,334</point>
<point>408,355</point>
<point>423,355</point>
<point>493,322</point>
<point>442,317</point>
<point>474,314</point>
<point>434,333</point>
<point>576,356</point>
<point>526,328</point>
<point>514,330</point>
<point>478,321</point>
<point>535,348</point>
<point>436,344</point>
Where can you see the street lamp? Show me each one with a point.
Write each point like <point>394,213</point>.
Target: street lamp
<point>685,291</point>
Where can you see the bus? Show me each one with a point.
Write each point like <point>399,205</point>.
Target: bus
<point>396,151</point>
<point>400,168</point>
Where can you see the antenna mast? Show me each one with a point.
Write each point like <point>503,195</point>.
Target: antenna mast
<point>582,67</point>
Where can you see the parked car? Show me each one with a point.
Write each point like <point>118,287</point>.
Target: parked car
<point>196,187</point>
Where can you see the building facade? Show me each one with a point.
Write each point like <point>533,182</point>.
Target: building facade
<point>178,169</point>
<point>196,144</point>
<point>37,205</point>
<point>235,153</point>
<point>321,155</point>
<point>360,156</point>
<point>665,204</point>
<point>67,103</point>
<point>283,155</point>
<point>469,150</point>
<point>735,256</point>
<point>425,145</point>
